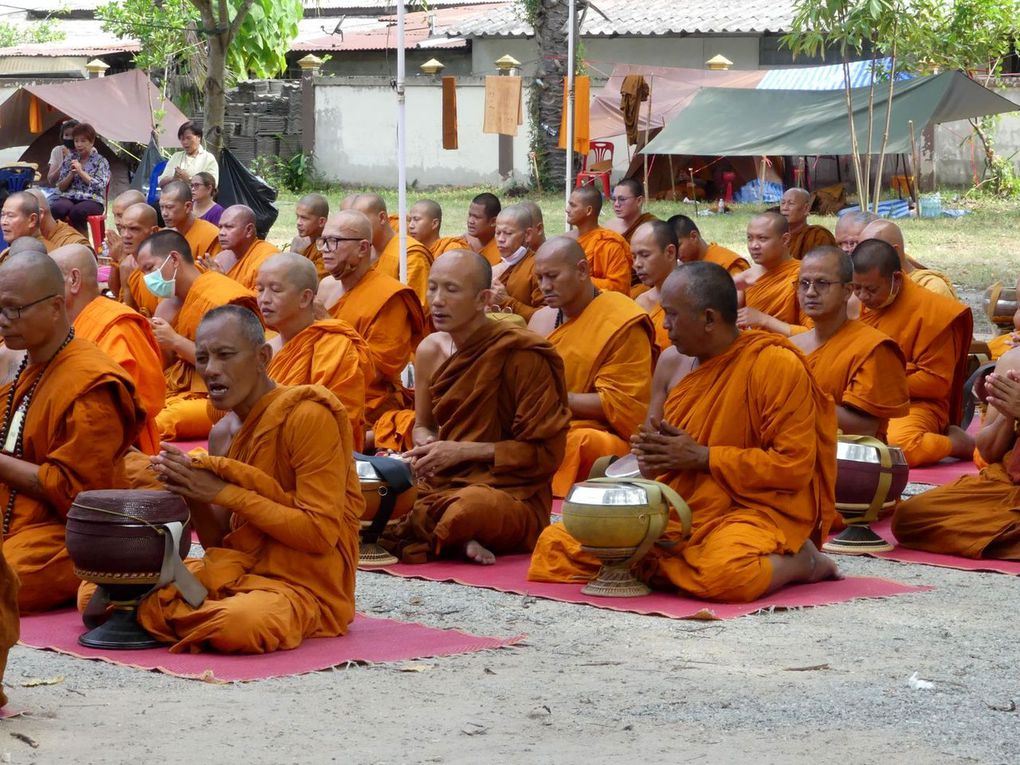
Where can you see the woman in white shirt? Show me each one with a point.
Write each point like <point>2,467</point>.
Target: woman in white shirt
<point>194,159</point>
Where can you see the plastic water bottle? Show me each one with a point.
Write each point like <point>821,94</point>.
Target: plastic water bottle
<point>105,252</point>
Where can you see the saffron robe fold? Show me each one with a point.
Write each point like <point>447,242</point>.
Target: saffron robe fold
<point>83,417</point>
<point>504,386</point>
<point>185,416</point>
<point>445,243</point>
<point>770,487</point>
<point>728,259</point>
<point>606,350</point>
<point>144,300</point>
<point>312,253</point>
<point>808,238</point>
<point>1001,344</point>
<point>658,317</point>
<point>389,317</point>
<point>490,252</point>
<point>523,293</point>
<point>246,270</point>
<point>331,354</point>
<point>419,261</point>
<point>934,333</point>
<point>609,259</point>
<point>65,234</point>
<point>203,238</point>
<point>864,369</point>
<point>285,571</point>
<point>933,281</point>
<point>775,294</point>
<point>643,218</point>
<point>126,336</point>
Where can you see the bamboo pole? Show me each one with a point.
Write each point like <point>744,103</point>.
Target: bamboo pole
<point>648,126</point>
<point>672,180</point>
<point>888,122</point>
<point>915,170</point>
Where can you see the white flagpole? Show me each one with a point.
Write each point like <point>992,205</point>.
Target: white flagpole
<point>571,24</point>
<point>401,144</point>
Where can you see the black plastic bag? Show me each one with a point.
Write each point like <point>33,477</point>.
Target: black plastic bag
<point>239,186</point>
<point>150,159</point>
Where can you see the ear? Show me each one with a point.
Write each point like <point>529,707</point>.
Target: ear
<point>306,299</point>
<point>786,239</point>
<point>264,355</point>
<point>672,251</point>
<point>582,267</point>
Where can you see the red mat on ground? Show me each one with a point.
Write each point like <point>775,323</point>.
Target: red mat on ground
<point>906,555</point>
<point>510,571</point>
<point>943,472</point>
<point>369,639</point>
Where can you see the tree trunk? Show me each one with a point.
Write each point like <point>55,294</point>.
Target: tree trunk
<point>215,94</point>
<point>546,103</point>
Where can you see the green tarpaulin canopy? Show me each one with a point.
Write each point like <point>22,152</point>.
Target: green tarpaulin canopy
<point>742,122</point>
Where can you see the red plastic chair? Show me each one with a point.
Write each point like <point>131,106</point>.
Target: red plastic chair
<point>97,223</point>
<point>601,167</point>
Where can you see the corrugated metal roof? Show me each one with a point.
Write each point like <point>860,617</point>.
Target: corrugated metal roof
<point>25,66</point>
<point>826,77</point>
<point>647,18</point>
<point>383,6</point>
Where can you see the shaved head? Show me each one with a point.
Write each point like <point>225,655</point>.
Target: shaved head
<point>563,251</point>
<point>662,233</point>
<point>798,194</point>
<point>534,210</point>
<point>683,226</point>
<point>295,269</point>
<point>849,228</point>
<point>145,214</point>
<point>38,271</point>
<point>242,214</point>
<point>704,286</point>
<point>465,263</point>
<point>874,254</point>
<point>131,197</point>
<point>353,223</point>
<point>795,206</point>
<point>776,222</point>
<point>236,317</point>
<point>77,256</point>
<point>44,205</point>
<point>489,202</point>
<point>517,215</point>
<point>316,204</point>
<point>428,209</point>
<point>833,258</point>
<point>26,244</point>
<point>589,196</point>
<point>886,231</point>
<point>178,190</point>
<point>23,201</point>
<point>370,204</point>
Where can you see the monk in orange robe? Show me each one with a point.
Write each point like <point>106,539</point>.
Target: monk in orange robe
<point>490,426</point>
<point>514,286</point>
<point>769,286</point>
<point>795,206</point>
<point>976,516</point>
<point>537,236</point>
<point>165,259</point>
<point>998,346</point>
<point>383,311</point>
<point>308,352</point>
<point>71,415</point>
<point>20,218</point>
<point>628,199</point>
<point>934,333</point>
<point>242,253</point>
<point>424,222</point>
<point>138,224</point>
<point>849,227</point>
<point>606,342</point>
<point>861,369</point>
<point>654,247</point>
<point>692,247</point>
<point>608,254</point>
<point>120,332</point>
<point>748,440</point>
<point>481,226</point>
<point>386,244</point>
<point>276,508</point>
<point>56,233</point>
<point>929,278</point>
<point>311,212</point>
<point>175,203</point>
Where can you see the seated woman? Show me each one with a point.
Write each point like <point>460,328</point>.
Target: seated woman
<point>62,150</point>
<point>203,198</point>
<point>84,176</point>
<point>183,165</point>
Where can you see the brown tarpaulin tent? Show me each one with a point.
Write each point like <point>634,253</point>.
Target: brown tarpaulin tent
<point>120,107</point>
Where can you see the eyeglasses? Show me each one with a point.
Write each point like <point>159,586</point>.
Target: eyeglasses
<point>13,312</point>
<point>331,243</point>
<point>820,285</point>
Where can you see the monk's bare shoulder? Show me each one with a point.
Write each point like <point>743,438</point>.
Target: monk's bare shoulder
<point>431,352</point>
<point>1010,360</point>
<point>299,243</point>
<point>647,300</point>
<point>330,291</point>
<point>671,368</point>
<point>807,342</point>
<point>616,224</point>
<point>543,321</point>
<point>745,279</point>
<point>168,309</point>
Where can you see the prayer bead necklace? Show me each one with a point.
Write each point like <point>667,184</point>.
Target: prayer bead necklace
<point>18,451</point>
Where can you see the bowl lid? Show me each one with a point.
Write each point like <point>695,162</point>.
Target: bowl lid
<point>591,493</point>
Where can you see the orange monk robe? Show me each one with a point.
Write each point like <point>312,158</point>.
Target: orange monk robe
<point>82,418</point>
<point>285,572</point>
<point>503,386</point>
<point>934,333</point>
<point>933,281</point>
<point>999,345</point>
<point>144,299</point>
<point>726,258</point>
<point>388,315</point>
<point>419,261</point>
<point>862,368</point>
<point>331,354</point>
<point>185,415</point>
<point>491,252</point>
<point>808,238</point>
<point>246,270</point>
<point>642,219</point>
<point>606,350</point>
<point>776,295</point>
<point>312,253</point>
<point>126,337</point>
<point>609,259</point>
<point>203,238</point>
<point>658,317</point>
<point>445,243</point>
<point>63,235</point>
<point>9,626</point>
<point>523,293</point>
<point>770,486</point>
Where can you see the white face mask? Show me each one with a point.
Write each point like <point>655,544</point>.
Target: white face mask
<point>157,285</point>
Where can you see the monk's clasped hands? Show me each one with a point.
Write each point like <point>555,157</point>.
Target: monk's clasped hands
<point>660,448</point>
<point>178,474</point>
<point>1003,392</point>
<point>431,458</point>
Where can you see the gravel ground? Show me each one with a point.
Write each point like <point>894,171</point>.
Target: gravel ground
<point>587,684</point>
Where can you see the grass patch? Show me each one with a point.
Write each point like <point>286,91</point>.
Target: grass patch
<point>974,250</point>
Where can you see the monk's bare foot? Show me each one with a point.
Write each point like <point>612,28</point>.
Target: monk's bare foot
<point>962,441</point>
<point>822,566</point>
<point>475,553</point>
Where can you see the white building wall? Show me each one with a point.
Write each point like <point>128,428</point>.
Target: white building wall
<point>959,154</point>
<point>356,134</point>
